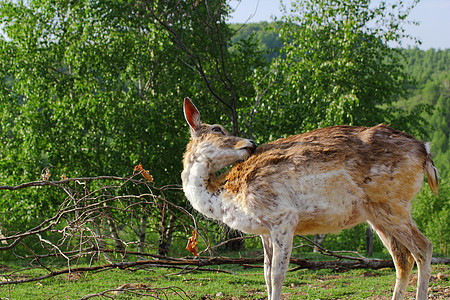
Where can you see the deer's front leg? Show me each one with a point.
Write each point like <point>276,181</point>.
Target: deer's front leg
<point>282,239</point>
<point>268,254</point>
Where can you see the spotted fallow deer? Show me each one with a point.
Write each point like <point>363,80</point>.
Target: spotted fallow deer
<point>313,183</point>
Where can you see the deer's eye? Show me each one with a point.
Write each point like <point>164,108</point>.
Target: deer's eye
<point>216,129</point>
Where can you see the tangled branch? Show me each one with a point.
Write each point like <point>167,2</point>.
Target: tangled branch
<point>99,226</point>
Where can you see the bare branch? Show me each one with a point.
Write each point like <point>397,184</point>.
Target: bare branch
<point>81,228</point>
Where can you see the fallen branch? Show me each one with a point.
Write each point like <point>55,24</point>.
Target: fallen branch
<point>168,263</point>
<point>139,291</point>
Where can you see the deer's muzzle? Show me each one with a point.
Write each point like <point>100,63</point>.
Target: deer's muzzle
<point>248,145</point>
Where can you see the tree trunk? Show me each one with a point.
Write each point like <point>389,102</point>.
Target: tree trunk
<point>142,231</point>
<point>115,235</point>
<point>100,242</point>
<point>165,235</point>
<point>113,230</point>
<point>369,241</point>
<point>235,243</point>
<point>319,238</point>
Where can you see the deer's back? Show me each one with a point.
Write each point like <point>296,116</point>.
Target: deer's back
<point>373,164</point>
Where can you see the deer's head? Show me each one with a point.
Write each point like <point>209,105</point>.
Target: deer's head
<point>212,144</point>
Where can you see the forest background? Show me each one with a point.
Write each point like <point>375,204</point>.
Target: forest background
<point>93,88</point>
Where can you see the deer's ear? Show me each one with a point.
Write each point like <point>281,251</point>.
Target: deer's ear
<point>192,115</point>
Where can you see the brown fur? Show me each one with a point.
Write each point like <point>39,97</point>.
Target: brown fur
<point>357,149</point>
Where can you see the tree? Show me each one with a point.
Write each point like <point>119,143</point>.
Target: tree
<point>225,68</point>
<point>94,87</point>
<point>340,67</point>
<point>432,214</point>
<point>434,90</point>
<point>86,99</point>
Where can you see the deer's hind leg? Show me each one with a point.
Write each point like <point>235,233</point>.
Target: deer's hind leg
<point>422,251</point>
<point>403,260</point>
<point>406,243</point>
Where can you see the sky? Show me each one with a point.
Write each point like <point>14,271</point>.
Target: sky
<point>433,17</point>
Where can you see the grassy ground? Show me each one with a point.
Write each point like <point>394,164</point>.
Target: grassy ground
<point>241,283</point>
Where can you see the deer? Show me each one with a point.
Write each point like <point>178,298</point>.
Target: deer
<point>317,182</point>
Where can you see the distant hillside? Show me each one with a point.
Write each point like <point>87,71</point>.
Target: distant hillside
<point>269,40</point>
<point>431,70</point>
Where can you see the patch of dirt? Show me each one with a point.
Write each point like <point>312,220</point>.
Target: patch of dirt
<point>75,276</point>
<point>370,274</point>
<point>4,268</point>
<point>8,275</point>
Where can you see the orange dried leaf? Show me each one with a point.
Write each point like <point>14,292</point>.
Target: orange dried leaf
<point>147,175</point>
<point>192,243</point>
<point>138,168</point>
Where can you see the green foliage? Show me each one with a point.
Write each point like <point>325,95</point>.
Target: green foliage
<point>268,39</point>
<point>94,87</point>
<point>76,104</point>
<point>82,106</point>
<point>431,215</point>
<point>353,239</point>
<point>339,69</point>
<point>431,70</point>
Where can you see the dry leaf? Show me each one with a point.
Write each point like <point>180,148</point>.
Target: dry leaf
<point>192,243</point>
<point>147,175</point>
<point>144,172</point>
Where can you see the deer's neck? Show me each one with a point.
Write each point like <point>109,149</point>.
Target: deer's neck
<point>196,185</point>
<point>208,195</point>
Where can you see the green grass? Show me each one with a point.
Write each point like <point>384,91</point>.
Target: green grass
<point>244,283</point>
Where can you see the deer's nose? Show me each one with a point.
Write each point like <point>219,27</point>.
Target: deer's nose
<point>253,148</point>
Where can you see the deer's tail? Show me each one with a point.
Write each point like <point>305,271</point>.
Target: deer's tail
<point>431,171</point>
